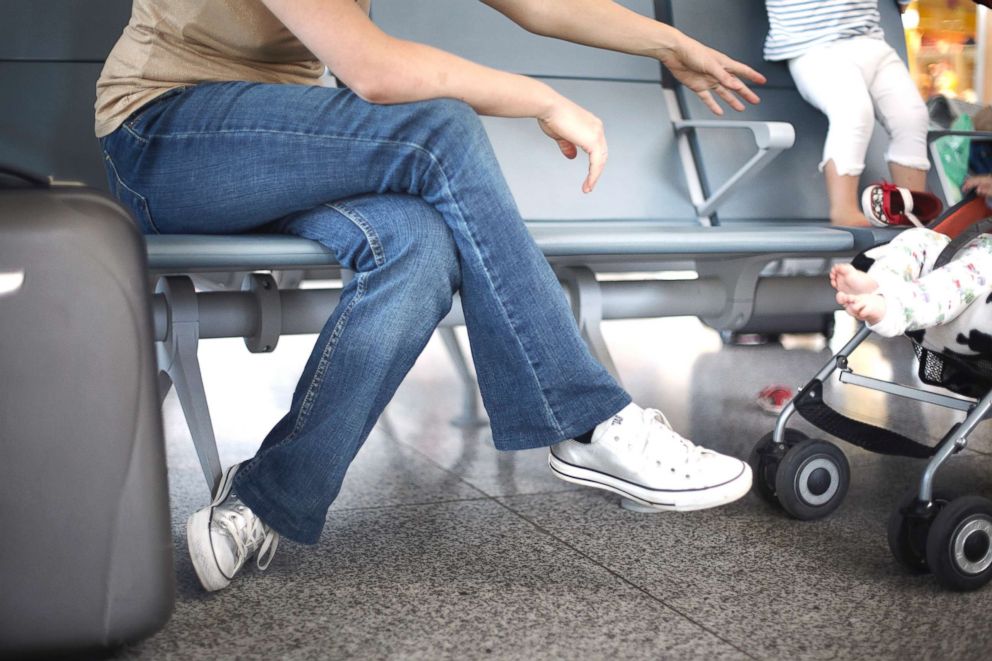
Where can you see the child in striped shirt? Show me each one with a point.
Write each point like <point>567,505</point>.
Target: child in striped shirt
<point>842,65</point>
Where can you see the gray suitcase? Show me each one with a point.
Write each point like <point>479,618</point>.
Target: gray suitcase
<point>85,539</point>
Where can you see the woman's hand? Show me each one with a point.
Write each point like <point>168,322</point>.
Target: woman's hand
<point>982,185</point>
<point>573,128</point>
<point>706,71</point>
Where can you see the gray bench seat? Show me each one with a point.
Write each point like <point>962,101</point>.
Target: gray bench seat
<point>608,239</point>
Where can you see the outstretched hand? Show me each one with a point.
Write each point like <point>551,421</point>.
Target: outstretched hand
<point>707,72</point>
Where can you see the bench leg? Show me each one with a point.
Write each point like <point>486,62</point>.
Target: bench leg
<point>177,357</point>
<point>470,415</point>
<point>586,298</point>
<point>385,423</point>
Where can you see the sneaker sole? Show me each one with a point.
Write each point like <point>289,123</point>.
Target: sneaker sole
<point>673,501</point>
<point>199,542</point>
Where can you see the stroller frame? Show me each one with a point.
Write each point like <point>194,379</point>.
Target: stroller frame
<point>808,478</point>
<point>954,441</point>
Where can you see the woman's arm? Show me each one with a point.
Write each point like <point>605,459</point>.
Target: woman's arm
<point>605,24</point>
<point>382,69</point>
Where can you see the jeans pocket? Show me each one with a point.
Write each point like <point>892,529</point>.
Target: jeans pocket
<point>144,112</point>
<point>130,198</point>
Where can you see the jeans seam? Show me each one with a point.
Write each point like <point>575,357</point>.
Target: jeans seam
<point>378,254</point>
<point>503,309</point>
<point>127,127</point>
<point>120,182</point>
<point>318,378</point>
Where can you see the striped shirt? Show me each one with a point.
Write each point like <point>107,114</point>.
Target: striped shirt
<point>795,26</point>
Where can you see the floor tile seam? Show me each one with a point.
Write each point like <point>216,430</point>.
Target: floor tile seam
<point>431,460</point>
<point>479,489</point>
<point>626,580</point>
<point>443,501</point>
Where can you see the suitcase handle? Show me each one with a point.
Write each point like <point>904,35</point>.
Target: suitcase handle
<point>33,180</point>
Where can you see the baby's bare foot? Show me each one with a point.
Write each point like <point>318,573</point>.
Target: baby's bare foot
<point>866,307</point>
<point>849,280</point>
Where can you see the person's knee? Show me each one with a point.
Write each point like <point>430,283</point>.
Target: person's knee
<point>912,121</point>
<point>424,246</point>
<point>856,117</point>
<point>452,119</point>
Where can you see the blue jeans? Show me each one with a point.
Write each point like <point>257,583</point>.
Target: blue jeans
<point>409,197</point>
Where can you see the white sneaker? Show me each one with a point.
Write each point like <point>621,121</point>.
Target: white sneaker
<point>225,534</point>
<point>638,455</point>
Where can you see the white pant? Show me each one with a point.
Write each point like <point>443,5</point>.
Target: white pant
<point>848,80</point>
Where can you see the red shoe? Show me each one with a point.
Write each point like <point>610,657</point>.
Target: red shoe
<point>774,398</point>
<point>888,205</point>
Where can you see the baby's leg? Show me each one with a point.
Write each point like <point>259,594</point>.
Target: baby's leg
<point>940,295</point>
<point>903,259</point>
<point>907,257</point>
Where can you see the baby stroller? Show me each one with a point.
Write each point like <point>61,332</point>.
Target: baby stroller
<point>808,478</point>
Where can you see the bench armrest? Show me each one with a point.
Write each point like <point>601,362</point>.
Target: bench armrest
<point>770,138</point>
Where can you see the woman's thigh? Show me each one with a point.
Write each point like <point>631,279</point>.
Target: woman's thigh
<point>232,157</point>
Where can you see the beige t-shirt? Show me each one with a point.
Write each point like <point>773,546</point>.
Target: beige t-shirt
<point>174,43</point>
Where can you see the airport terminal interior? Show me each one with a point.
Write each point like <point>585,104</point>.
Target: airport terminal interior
<point>697,274</point>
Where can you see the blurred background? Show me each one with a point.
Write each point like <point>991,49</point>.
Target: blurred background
<point>949,51</point>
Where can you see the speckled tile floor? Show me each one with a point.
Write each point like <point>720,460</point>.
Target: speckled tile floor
<point>441,548</point>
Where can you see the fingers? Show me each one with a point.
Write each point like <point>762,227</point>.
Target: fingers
<point>708,101</point>
<point>728,85</point>
<point>729,79</point>
<point>597,161</point>
<point>740,69</point>
<point>729,98</point>
<point>568,149</point>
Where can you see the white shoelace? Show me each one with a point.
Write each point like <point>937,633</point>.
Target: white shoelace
<point>233,519</point>
<point>661,442</point>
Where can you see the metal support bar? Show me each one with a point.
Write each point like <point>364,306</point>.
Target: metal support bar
<point>305,311</point>
<point>955,440</point>
<point>771,139</point>
<point>470,416</point>
<point>265,291</point>
<point>739,278</point>
<point>899,390</point>
<point>586,299</point>
<point>778,436</point>
<point>177,357</point>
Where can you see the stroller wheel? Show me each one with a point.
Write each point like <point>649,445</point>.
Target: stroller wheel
<point>812,479</point>
<point>764,460</point>
<point>908,529</point>
<point>959,545</point>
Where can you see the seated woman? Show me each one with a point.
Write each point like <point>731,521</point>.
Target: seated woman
<point>212,120</point>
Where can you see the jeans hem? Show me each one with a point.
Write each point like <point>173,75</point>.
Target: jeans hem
<point>580,425</point>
